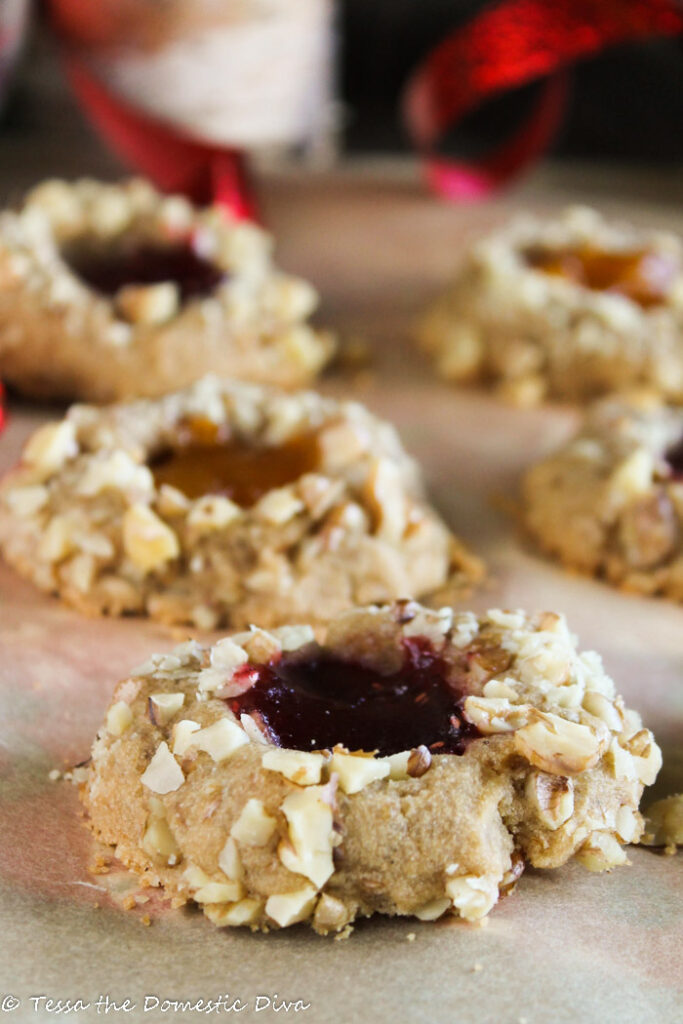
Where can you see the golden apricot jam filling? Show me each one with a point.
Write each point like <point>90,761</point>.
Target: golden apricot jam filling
<point>641,275</point>
<point>206,461</point>
<point>319,700</point>
<point>107,269</point>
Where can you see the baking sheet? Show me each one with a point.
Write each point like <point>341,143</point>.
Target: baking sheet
<point>568,945</point>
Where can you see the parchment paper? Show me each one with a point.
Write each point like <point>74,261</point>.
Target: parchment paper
<point>568,945</point>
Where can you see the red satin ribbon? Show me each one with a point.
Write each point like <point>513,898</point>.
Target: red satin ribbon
<point>174,162</point>
<point>506,46</point>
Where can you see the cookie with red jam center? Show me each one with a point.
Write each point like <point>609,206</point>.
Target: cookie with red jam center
<point>115,291</point>
<point>411,763</point>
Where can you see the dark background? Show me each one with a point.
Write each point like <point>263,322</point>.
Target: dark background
<point>627,104</point>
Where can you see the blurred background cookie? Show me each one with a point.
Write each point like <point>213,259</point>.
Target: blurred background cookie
<point>567,307</point>
<point>114,291</point>
<point>225,504</point>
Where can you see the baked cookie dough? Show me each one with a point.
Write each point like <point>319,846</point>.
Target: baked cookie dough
<point>412,764</point>
<point>225,503</point>
<point>567,308</point>
<point>610,502</point>
<point>116,291</point>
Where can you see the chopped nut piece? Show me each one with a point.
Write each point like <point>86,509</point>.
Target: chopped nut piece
<point>148,304</point>
<point>386,499</point>
<point>433,625</point>
<point>219,892</point>
<point>419,762</point>
<point>331,914</point>
<point>552,796</point>
<point>309,816</point>
<point>341,444</point>
<point>26,501</point>
<point>260,645</point>
<point>558,746</point>
<point>291,907</point>
<point>163,706</point>
<point>601,852</point>
<point>279,506</point>
<point>398,764</point>
<point>183,735</point>
<point>472,896</point>
<point>148,541</point>
<point>356,772</point>
<point>226,657</point>
<point>115,471</point>
<point>297,765</point>
<point>244,912</point>
<point>229,861</point>
<point>647,757</point>
<point>495,714</point>
<point>293,637</point>
<point>163,773</point>
<point>623,765</point>
<point>51,446</point>
<point>158,839</point>
<point>212,512</point>
<point>254,827</point>
<point>628,825</point>
<point>207,890</point>
<point>221,739</point>
<point>599,705</point>
<point>255,730</point>
<point>119,718</point>
<point>57,542</point>
<point>433,910</point>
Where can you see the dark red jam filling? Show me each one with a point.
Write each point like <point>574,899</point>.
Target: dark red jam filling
<point>106,270</point>
<point>674,459</point>
<point>317,702</point>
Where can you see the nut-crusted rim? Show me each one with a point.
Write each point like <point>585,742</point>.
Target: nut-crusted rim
<point>608,502</point>
<point>84,500</point>
<point>530,334</point>
<point>574,759</point>
<point>251,324</point>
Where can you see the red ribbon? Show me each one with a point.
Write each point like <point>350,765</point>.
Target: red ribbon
<point>506,46</point>
<point>173,161</point>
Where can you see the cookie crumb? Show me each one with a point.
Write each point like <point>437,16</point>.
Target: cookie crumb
<point>411,936</point>
<point>478,967</point>
<point>146,920</point>
<point>55,775</point>
<point>345,933</point>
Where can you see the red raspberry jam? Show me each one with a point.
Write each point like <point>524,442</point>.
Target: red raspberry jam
<point>642,275</point>
<point>108,270</point>
<point>207,461</point>
<point>316,702</point>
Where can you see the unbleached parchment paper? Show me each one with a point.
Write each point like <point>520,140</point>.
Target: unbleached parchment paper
<point>568,945</point>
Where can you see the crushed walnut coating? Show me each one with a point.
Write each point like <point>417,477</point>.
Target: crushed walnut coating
<point>84,516</point>
<point>266,837</point>
<point>63,335</point>
<point>568,307</point>
<point>609,502</point>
